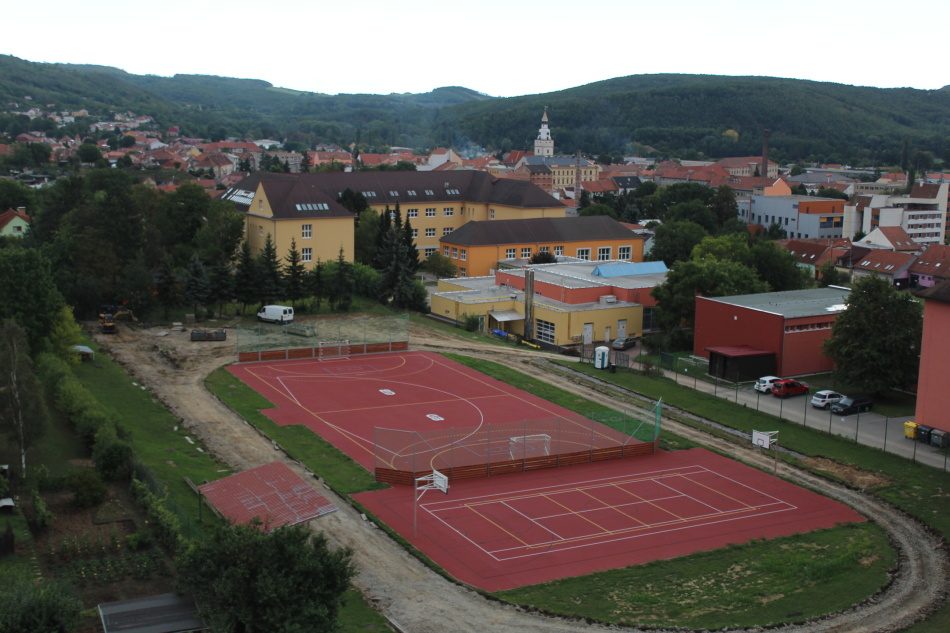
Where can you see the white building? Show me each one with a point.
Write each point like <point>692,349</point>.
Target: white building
<point>544,144</point>
<point>922,213</point>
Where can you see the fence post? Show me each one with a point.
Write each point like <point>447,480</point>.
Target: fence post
<point>758,394</point>
<point>805,415</point>
<point>830,415</point>
<point>781,408</point>
<point>715,386</point>
<point>857,426</point>
<point>886,420</point>
<point>737,392</point>
<point>913,457</point>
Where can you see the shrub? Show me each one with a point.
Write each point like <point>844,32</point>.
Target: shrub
<point>164,523</point>
<point>112,456</point>
<point>138,540</point>
<point>45,607</point>
<point>87,488</point>
<point>471,322</point>
<point>39,517</point>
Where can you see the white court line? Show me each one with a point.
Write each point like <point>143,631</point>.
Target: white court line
<point>555,534</point>
<point>694,498</point>
<point>739,483</point>
<point>536,490</point>
<point>636,536</point>
<point>606,507</point>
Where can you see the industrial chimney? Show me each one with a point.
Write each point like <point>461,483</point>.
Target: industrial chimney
<point>764,169</point>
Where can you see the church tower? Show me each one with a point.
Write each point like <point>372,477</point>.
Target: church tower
<point>544,144</point>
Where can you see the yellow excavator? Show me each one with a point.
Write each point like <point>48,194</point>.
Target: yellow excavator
<point>110,313</point>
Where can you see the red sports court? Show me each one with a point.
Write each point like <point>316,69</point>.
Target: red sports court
<point>527,528</point>
<point>408,413</point>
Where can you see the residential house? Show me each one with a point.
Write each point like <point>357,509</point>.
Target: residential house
<point>568,303</point>
<point>434,203</point>
<point>931,267</point>
<point>891,238</point>
<point>889,265</point>
<point>476,248</point>
<point>812,254</point>
<point>14,222</point>
<point>221,165</point>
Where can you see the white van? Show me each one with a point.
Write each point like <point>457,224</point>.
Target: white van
<point>276,314</point>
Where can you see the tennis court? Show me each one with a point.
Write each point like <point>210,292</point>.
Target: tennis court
<point>528,528</point>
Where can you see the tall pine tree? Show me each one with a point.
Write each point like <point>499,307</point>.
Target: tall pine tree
<point>246,278</point>
<point>269,273</point>
<point>197,285</point>
<point>412,252</point>
<point>293,274</point>
<point>317,284</point>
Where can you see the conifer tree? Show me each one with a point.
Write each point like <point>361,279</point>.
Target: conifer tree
<point>269,271</point>
<point>197,285</point>
<point>317,284</point>
<point>293,274</point>
<point>246,278</point>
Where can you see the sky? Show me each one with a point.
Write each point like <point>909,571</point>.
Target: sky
<point>498,47</point>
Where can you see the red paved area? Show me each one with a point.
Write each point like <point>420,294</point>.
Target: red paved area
<point>345,400</point>
<point>527,528</point>
<point>272,493</point>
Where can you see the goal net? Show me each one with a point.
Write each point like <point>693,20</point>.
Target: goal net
<point>525,446</point>
<point>333,349</point>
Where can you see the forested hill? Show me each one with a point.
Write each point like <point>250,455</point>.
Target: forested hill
<point>684,115</point>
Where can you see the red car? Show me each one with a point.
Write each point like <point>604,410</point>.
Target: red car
<point>788,387</point>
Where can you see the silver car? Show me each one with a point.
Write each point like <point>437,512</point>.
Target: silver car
<point>825,398</point>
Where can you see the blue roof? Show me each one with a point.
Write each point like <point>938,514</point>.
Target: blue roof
<point>629,269</point>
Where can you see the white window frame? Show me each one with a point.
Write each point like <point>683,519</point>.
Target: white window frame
<point>415,233</point>
<point>306,231</point>
<point>412,213</point>
<point>445,251</point>
<point>430,212</point>
<point>455,253</point>
<point>448,211</point>
<point>430,232</point>
<point>306,254</point>
<point>525,252</point>
<point>583,253</point>
<point>463,254</point>
<point>558,251</point>
<point>446,230</point>
<point>429,250</point>
<point>545,331</point>
<point>624,253</point>
<point>603,253</point>
<point>510,253</point>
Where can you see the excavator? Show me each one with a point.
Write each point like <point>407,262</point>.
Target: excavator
<point>110,313</point>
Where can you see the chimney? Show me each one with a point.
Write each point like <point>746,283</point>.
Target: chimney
<point>764,170</point>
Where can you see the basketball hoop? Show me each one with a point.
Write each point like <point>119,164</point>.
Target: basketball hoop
<point>767,440</point>
<point>435,481</point>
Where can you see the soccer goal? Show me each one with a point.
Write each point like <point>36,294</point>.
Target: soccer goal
<point>524,446</point>
<point>327,350</point>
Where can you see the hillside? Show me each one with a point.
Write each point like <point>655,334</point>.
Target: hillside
<point>684,115</point>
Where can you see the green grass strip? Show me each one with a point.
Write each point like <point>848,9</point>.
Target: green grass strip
<point>756,584</point>
<point>155,441</point>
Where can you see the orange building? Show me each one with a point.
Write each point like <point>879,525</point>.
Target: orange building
<point>933,397</point>
<point>477,247</point>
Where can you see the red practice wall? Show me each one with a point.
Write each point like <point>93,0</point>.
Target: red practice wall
<point>933,397</point>
<point>798,351</point>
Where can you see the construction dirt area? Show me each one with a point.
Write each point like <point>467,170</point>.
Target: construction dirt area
<point>418,600</point>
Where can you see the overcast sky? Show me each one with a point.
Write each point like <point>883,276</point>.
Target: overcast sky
<point>499,47</point>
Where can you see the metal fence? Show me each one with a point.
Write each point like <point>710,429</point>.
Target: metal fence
<point>491,449</point>
<point>362,334</point>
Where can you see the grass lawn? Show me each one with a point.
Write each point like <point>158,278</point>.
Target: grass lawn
<point>920,491</point>
<point>156,442</point>
<point>760,583</point>
<point>459,332</point>
<point>890,403</point>
<point>357,616</point>
<point>340,472</point>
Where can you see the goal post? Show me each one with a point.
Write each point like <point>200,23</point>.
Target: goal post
<point>327,350</point>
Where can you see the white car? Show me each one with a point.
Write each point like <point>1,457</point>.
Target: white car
<point>825,398</point>
<point>764,384</point>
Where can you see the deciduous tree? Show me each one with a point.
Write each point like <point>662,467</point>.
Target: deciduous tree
<point>251,581</point>
<point>875,342</point>
<point>674,241</point>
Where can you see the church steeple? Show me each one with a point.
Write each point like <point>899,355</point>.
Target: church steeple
<point>544,144</point>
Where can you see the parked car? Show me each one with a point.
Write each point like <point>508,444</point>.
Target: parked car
<point>624,342</point>
<point>825,398</point>
<point>851,404</point>
<point>764,384</point>
<point>788,387</point>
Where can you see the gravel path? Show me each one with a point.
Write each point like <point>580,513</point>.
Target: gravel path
<point>421,601</point>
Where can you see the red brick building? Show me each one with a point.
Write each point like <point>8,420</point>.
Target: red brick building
<point>790,327</point>
<point>933,397</point>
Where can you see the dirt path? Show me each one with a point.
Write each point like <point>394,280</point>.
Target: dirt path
<point>420,600</point>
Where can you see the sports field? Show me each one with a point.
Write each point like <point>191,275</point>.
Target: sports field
<point>523,528</point>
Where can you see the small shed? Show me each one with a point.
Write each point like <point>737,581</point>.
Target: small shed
<point>737,363</point>
<point>84,352</point>
<point>162,613</point>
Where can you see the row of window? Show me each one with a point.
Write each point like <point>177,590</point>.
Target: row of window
<point>455,253</point>
<point>544,331</point>
<point>430,232</point>
<point>807,327</point>
<point>604,253</point>
<point>430,212</point>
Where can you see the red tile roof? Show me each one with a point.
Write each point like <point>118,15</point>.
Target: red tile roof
<point>899,238</point>
<point>599,186</point>
<point>925,191</point>
<point>934,262</point>
<point>884,262</point>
